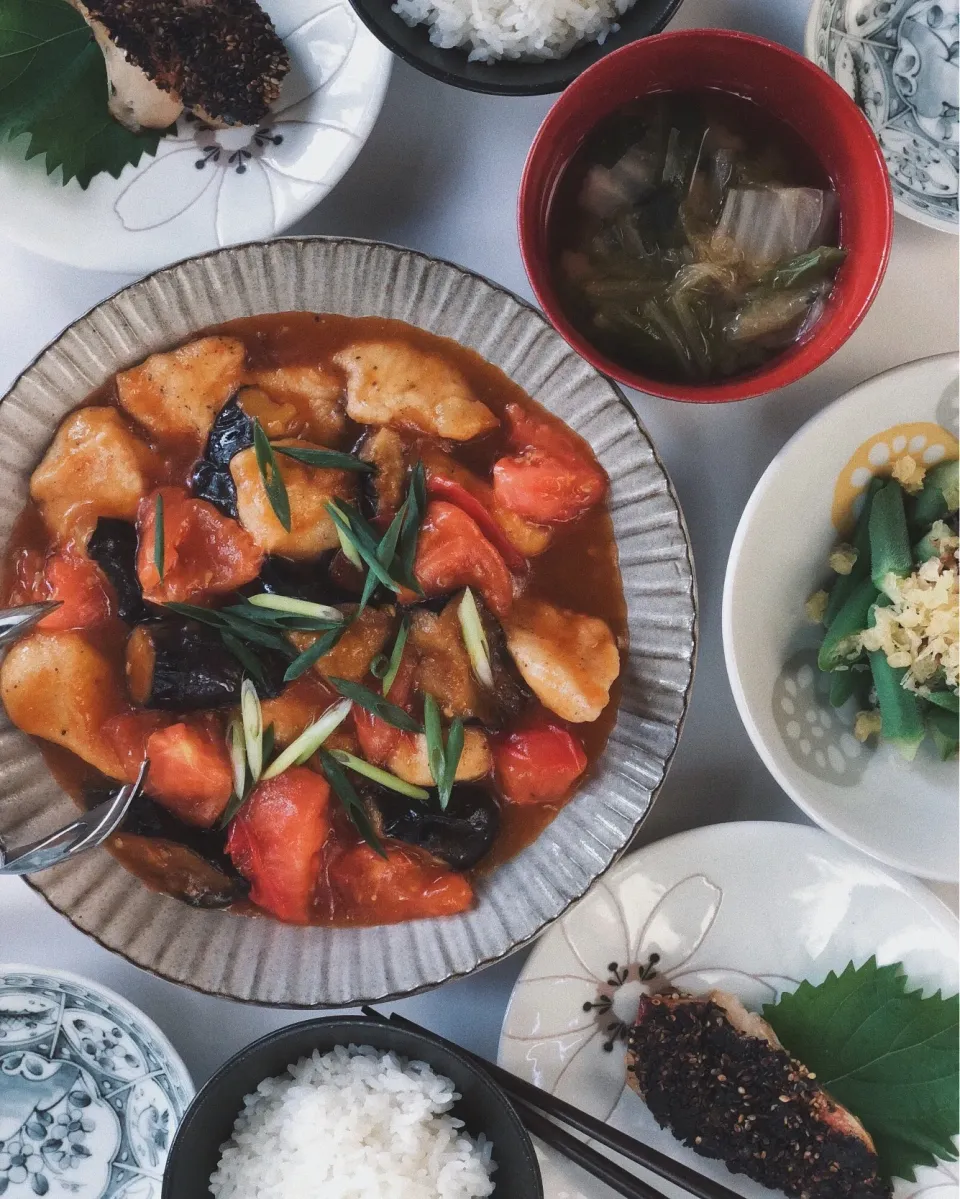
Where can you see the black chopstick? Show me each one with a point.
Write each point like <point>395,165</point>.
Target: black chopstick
<point>518,1088</point>
<point>600,1167</point>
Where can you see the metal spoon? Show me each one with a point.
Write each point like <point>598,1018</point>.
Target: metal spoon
<point>14,622</point>
<point>91,830</point>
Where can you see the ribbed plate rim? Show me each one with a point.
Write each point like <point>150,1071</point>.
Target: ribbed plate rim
<point>620,399</point>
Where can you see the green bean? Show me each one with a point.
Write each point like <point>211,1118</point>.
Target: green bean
<point>939,495</point>
<point>945,732</point>
<point>902,722</point>
<point>844,586</point>
<point>847,683</point>
<point>889,540</point>
<point>841,640</point>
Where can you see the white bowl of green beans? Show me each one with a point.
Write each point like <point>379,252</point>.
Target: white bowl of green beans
<point>840,618</point>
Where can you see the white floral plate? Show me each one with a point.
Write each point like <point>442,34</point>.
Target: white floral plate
<point>91,1091</point>
<point>752,908</point>
<point>208,188</point>
<point>904,813</point>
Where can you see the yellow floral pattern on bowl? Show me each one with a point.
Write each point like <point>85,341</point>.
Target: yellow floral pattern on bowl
<point>923,441</point>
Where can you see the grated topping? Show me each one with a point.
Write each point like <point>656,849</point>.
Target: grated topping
<point>920,630</point>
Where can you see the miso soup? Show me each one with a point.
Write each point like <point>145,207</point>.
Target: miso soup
<point>693,237</point>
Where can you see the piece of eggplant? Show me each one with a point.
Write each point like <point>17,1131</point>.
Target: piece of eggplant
<point>460,835</point>
<point>211,479</point>
<point>113,546</point>
<point>184,666</point>
<point>188,863</point>
<point>308,580</point>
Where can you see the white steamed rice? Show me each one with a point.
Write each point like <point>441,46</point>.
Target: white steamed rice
<point>529,29</point>
<point>353,1124</point>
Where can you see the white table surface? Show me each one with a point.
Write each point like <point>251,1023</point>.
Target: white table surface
<point>440,173</point>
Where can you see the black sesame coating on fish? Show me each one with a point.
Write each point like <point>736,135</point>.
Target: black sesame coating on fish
<point>222,57</point>
<point>735,1097</point>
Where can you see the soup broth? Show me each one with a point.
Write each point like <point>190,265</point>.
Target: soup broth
<point>694,238</point>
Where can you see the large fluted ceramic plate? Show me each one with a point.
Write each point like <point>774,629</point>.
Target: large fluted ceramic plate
<point>257,959</point>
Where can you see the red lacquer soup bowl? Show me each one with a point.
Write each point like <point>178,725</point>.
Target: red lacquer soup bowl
<point>790,89</point>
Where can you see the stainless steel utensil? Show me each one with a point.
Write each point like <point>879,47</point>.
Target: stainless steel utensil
<point>14,622</point>
<point>91,830</point>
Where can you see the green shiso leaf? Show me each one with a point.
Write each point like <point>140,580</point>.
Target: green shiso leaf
<point>53,88</point>
<point>888,1055</point>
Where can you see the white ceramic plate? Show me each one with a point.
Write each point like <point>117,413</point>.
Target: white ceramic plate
<point>208,188</point>
<point>91,1091</point>
<point>752,908</point>
<point>898,60</point>
<point>904,813</point>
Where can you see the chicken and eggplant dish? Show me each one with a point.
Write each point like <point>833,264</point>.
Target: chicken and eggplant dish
<point>350,591</point>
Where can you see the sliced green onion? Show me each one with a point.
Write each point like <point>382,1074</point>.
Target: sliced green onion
<point>387,712</point>
<point>238,755</point>
<point>453,755</point>
<point>326,459</point>
<point>273,483</point>
<point>158,535</point>
<point>297,607</point>
<point>379,666</point>
<point>245,656</point>
<point>351,524</point>
<point>474,638</point>
<point>434,732</point>
<point>352,804</point>
<point>383,777</point>
<point>252,715</point>
<point>346,545</point>
<point>396,657</point>
<point>313,653</point>
<point>306,745</point>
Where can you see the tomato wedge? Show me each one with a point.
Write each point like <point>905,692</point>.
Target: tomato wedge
<point>378,739</point>
<point>276,841</point>
<point>402,886</point>
<point>538,763</point>
<point>442,488</point>
<point>552,478</point>
<point>86,597</point>
<point>203,550</point>
<point>452,552</point>
<point>190,772</point>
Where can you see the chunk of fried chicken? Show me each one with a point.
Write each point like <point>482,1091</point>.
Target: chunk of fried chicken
<point>364,638</point>
<point>410,760</point>
<point>392,383</point>
<point>569,660</point>
<point>386,453</point>
<point>443,664</point>
<point>95,467</point>
<point>309,488</point>
<point>316,394</point>
<point>59,687</point>
<point>179,393</point>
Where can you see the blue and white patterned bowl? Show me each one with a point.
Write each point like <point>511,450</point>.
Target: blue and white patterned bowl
<point>91,1092</point>
<point>898,60</point>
